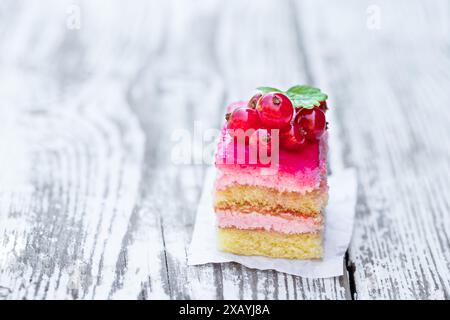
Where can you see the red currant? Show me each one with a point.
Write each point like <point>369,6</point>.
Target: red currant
<point>237,104</point>
<point>275,110</point>
<point>312,121</point>
<point>260,140</point>
<point>292,139</point>
<point>242,119</point>
<point>254,101</point>
<point>323,106</point>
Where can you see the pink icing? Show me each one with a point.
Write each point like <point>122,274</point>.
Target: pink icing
<point>285,182</point>
<point>308,159</point>
<point>284,223</point>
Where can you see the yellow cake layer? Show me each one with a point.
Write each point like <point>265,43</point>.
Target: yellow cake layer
<point>244,198</point>
<point>271,244</point>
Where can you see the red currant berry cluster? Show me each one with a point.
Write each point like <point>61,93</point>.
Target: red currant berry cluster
<point>274,110</point>
<point>307,125</point>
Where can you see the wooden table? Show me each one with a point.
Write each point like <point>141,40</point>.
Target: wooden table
<point>92,94</point>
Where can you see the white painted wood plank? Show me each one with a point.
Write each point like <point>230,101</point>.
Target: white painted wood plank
<point>80,153</point>
<point>389,91</point>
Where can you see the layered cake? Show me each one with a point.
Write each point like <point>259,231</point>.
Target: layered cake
<point>271,186</point>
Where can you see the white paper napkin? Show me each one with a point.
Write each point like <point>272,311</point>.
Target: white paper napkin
<point>338,230</point>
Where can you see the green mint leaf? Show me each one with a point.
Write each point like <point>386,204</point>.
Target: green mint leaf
<point>268,89</point>
<point>305,96</point>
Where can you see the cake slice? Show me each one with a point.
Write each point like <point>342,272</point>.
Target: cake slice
<point>271,186</point>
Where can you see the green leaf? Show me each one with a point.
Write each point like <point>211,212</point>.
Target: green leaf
<point>268,89</point>
<point>306,96</point>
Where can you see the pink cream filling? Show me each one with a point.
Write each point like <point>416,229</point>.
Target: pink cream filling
<point>284,223</point>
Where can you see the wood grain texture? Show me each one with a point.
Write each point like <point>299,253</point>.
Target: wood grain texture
<point>92,205</point>
<point>387,86</point>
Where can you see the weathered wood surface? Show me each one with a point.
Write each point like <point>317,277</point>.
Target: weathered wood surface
<point>91,203</point>
<point>390,89</point>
